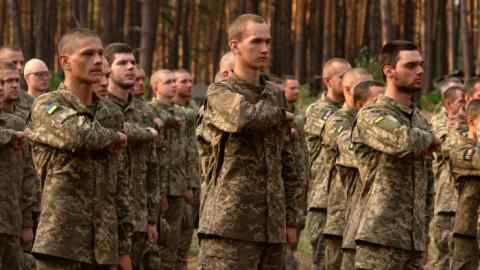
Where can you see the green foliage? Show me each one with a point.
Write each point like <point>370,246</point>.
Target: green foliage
<point>371,64</point>
<point>54,81</point>
<point>304,97</point>
<point>430,101</point>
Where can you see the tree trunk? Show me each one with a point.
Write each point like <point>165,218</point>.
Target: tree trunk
<point>16,20</point>
<point>374,40</point>
<point>300,40</point>
<point>329,30</point>
<point>79,10</point>
<point>428,45</point>
<point>3,21</point>
<point>339,29</point>
<point>467,40</point>
<point>441,56</point>
<point>409,22</point>
<point>316,41</point>
<point>386,13</point>
<point>149,34</point>
<point>119,20</point>
<point>173,44</point>
<point>134,31</point>
<point>107,21</point>
<point>187,24</point>
<point>450,11</point>
<point>282,42</point>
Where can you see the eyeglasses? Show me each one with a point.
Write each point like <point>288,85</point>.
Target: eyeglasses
<point>42,74</point>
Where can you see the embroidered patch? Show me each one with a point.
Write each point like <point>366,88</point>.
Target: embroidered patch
<point>339,129</point>
<point>350,146</point>
<point>326,115</point>
<point>387,123</point>
<point>468,154</point>
<point>52,108</point>
<point>380,119</point>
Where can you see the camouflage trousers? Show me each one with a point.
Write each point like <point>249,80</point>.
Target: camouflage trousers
<point>173,216</point>
<point>348,259</point>
<point>144,255</point>
<point>189,223</point>
<point>225,254</point>
<point>377,257</point>
<point>465,253</point>
<point>315,222</point>
<point>440,246</point>
<point>56,263</point>
<point>291,262</point>
<point>333,252</point>
<point>10,253</point>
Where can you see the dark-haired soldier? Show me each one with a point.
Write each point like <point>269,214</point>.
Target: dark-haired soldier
<point>84,221</point>
<point>391,233</point>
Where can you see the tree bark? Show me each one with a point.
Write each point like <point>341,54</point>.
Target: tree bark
<point>428,45</point>
<point>467,40</point>
<point>374,39</point>
<point>16,20</point>
<point>450,35</point>
<point>119,20</point>
<point>134,31</point>
<point>300,40</point>
<point>316,42</point>
<point>386,13</point>
<point>174,36</point>
<point>329,30</point>
<point>79,10</point>
<point>3,21</point>
<point>149,33</point>
<point>107,21</point>
<point>282,40</point>
<point>187,23</point>
<point>409,22</point>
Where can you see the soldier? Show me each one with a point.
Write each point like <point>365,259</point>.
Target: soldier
<point>441,226</point>
<point>16,200</point>
<point>84,221</point>
<point>183,98</point>
<point>397,138</point>
<point>248,208</point>
<point>139,89</point>
<point>101,88</point>
<point>347,162</point>
<point>172,153</point>
<point>141,151</point>
<point>36,76</point>
<point>226,67</point>
<point>465,168</point>
<point>336,181</point>
<point>317,114</point>
<point>290,87</point>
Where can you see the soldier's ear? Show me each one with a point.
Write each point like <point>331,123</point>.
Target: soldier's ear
<point>64,62</point>
<point>233,46</point>
<point>388,71</point>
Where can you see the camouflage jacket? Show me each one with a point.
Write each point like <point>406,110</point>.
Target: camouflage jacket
<point>142,160</point>
<point>80,175</point>
<point>23,105</point>
<point>340,177</point>
<point>252,183</point>
<point>317,115</point>
<point>446,196</point>
<point>173,152</point>
<point>17,198</point>
<point>395,174</point>
<point>193,159</point>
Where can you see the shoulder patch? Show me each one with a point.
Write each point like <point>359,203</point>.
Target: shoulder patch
<point>468,154</point>
<point>379,119</point>
<point>339,129</point>
<point>387,122</point>
<point>51,108</point>
<point>327,114</point>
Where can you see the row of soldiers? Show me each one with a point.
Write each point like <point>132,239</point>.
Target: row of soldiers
<point>100,176</point>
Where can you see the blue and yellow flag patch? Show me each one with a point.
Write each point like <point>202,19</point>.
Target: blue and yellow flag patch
<point>51,108</point>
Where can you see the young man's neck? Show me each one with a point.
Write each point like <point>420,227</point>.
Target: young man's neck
<point>247,74</point>
<point>80,89</point>
<point>334,97</point>
<point>392,92</point>
<point>181,101</point>
<point>118,91</point>
<point>164,100</point>
<point>33,92</point>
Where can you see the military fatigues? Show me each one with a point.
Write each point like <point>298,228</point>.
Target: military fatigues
<point>303,167</point>
<point>172,156</point>
<point>252,184</point>
<point>317,114</point>
<point>445,202</point>
<point>92,227</point>
<point>142,170</point>
<point>16,196</point>
<point>465,160</point>
<point>391,232</point>
<point>190,218</point>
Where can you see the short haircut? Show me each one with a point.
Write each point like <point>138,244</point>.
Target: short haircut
<point>328,67</point>
<point>155,78</point>
<point>227,62</point>
<point>5,49</point>
<point>64,45</point>
<point>114,48</point>
<point>361,91</point>
<point>473,110</point>
<point>7,66</point>
<point>286,78</point>
<point>351,77</point>
<point>180,71</point>
<point>390,51</point>
<point>451,93</point>
<point>237,27</point>
<point>446,82</point>
<point>470,86</point>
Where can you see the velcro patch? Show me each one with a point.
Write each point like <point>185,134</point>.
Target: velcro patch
<point>326,115</point>
<point>51,108</point>
<point>387,122</point>
<point>468,154</point>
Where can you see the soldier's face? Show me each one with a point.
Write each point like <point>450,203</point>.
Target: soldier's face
<point>123,70</point>
<point>457,104</point>
<point>475,94</point>
<point>11,80</point>
<point>183,84</point>
<point>139,89</point>
<point>253,51</point>
<point>15,57</point>
<point>38,80</point>
<point>335,81</point>
<point>290,89</point>
<point>408,72</point>
<point>100,88</point>
<point>166,86</point>
<point>85,62</point>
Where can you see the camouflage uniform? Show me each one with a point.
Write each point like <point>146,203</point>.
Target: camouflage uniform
<point>251,184</point>
<point>93,225</point>
<point>16,197</point>
<point>445,203</point>
<point>317,115</point>
<point>142,170</point>
<point>190,218</point>
<point>172,154</point>
<point>395,185</point>
<point>465,161</point>
<point>23,105</point>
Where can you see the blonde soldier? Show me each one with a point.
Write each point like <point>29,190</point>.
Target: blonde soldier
<point>17,200</point>
<point>36,75</point>
<point>183,99</point>
<point>101,87</point>
<point>347,163</point>
<point>317,114</point>
<point>141,151</point>
<point>172,154</point>
<point>336,181</point>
